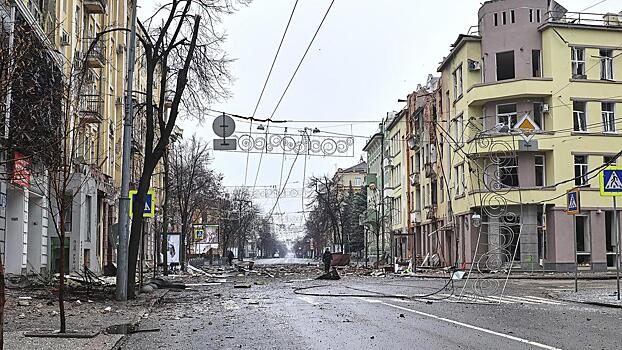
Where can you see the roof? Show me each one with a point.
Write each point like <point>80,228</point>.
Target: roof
<point>371,139</point>
<point>456,46</point>
<point>359,168</point>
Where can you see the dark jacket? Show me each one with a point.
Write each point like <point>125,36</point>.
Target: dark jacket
<point>327,257</point>
<point>230,255</point>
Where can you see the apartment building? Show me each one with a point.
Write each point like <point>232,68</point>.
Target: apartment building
<point>351,178</point>
<point>374,180</point>
<point>529,105</point>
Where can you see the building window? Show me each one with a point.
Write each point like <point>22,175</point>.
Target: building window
<point>441,191</point>
<point>433,193</point>
<point>540,166</point>
<point>512,16</point>
<point>357,182</point>
<point>459,129</point>
<point>459,180</point>
<point>538,15</point>
<point>506,115</point>
<point>608,113</point>
<point>457,76</point>
<point>610,160</point>
<point>508,171</point>
<point>505,65</point>
<point>531,15</point>
<point>89,218</point>
<point>580,170</point>
<point>68,212</point>
<point>583,245</point>
<point>504,16</point>
<point>579,116</point>
<point>578,63</point>
<point>536,67</point>
<point>606,64</point>
<point>537,115</point>
<point>496,19</point>
<point>610,239</point>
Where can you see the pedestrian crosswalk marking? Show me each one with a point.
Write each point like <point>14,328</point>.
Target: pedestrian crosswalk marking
<point>614,182</point>
<point>572,202</point>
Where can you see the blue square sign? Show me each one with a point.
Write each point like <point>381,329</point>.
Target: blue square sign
<point>611,181</point>
<point>572,202</point>
<point>149,210</point>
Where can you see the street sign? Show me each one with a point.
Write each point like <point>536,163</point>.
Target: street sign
<point>223,126</point>
<point>225,144</point>
<point>611,181</point>
<point>149,210</point>
<point>573,206</point>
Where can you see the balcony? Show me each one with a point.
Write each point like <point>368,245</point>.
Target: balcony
<point>95,57</point>
<point>95,6</point>
<point>91,109</point>
<point>479,94</point>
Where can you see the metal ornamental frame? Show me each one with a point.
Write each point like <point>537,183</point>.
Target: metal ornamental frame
<point>293,144</point>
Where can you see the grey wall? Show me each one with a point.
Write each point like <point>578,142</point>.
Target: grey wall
<point>520,37</point>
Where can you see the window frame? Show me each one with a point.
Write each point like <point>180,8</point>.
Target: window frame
<point>606,64</point>
<point>608,117</point>
<point>542,165</point>
<point>576,62</point>
<point>536,72</point>
<point>581,174</point>
<point>458,82</point>
<point>579,117</point>
<point>502,170</point>
<point>497,64</point>
<point>510,123</point>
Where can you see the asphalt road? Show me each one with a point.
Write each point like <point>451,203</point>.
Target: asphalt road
<point>285,261</point>
<point>270,315</point>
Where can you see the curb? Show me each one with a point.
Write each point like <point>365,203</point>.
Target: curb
<point>139,316</point>
<point>523,277</point>
<point>594,303</point>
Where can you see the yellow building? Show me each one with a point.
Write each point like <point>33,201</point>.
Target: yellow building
<point>528,108</point>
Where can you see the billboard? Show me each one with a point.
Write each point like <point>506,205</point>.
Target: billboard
<point>205,238</point>
<point>173,249</point>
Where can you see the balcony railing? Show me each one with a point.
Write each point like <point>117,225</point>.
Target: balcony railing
<point>585,18</point>
<point>95,57</point>
<point>91,108</point>
<point>95,6</point>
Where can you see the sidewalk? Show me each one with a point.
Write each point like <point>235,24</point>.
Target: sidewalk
<point>518,274</point>
<point>598,297</point>
<point>36,310</point>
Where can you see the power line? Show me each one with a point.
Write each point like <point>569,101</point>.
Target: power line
<point>302,58</point>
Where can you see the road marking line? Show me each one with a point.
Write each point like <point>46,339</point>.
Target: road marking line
<point>544,300</point>
<point>373,301</point>
<point>515,299</point>
<point>484,330</point>
<point>308,299</point>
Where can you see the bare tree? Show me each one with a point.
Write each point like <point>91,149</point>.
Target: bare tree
<point>185,65</point>
<point>326,199</point>
<point>191,182</point>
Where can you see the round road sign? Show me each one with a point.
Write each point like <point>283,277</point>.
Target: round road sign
<point>223,126</point>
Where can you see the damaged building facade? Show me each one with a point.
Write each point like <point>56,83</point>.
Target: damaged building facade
<point>525,109</point>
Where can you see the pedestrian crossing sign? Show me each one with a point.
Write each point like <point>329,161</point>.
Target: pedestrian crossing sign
<point>149,210</point>
<point>572,202</point>
<point>611,181</point>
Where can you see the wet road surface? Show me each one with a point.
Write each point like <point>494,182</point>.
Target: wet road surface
<point>270,315</point>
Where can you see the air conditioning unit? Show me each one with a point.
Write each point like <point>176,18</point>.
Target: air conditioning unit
<point>474,65</point>
<point>64,38</point>
<point>545,108</point>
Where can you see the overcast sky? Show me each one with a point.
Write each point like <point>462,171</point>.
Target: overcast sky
<point>367,54</point>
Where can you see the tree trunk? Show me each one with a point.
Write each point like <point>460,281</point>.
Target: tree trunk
<point>182,242</point>
<point>61,279</point>
<point>165,217</point>
<point>2,301</point>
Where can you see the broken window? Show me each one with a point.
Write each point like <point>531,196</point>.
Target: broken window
<point>578,111</point>
<point>433,192</point>
<point>457,76</point>
<point>536,69</point>
<point>459,183</point>
<point>505,65</point>
<point>506,115</point>
<point>606,64</point>
<point>539,167</point>
<point>459,129</point>
<point>508,171</point>
<point>610,160</point>
<point>608,114</point>
<point>538,107</point>
<point>582,241</point>
<point>578,63</point>
<point>580,170</point>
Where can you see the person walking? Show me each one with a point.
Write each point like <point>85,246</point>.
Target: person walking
<point>230,257</point>
<point>327,257</point>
